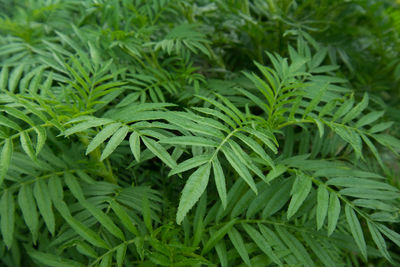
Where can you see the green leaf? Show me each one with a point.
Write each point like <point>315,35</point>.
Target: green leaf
<point>9,123</point>
<point>256,147</point>
<point>27,205</point>
<point>320,251</point>
<point>159,259</point>
<point>159,151</point>
<point>260,103</point>
<point>193,126</point>
<point>388,140</point>
<point>217,236</point>
<point>27,146</point>
<point>190,164</point>
<point>56,189</point>
<point>134,143</point>
<point>380,127</point>
<point>220,247</point>
<point>295,246</point>
<point>18,114</point>
<point>356,111</point>
<point>192,191</point>
<point>15,77</point>
<point>356,230</point>
<point>375,204</point>
<point>262,86</point>
<point>219,115</point>
<point>198,222</point>
<point>90,123</point>
<point>220,183</point>
<point>102,136</point>
<point>189,141</point>
<point>278,199</point>
<point>320,126</point>
<point>208,122</point>
<point>147,213</point>
<point>344,108</point>
<point>350,136</point>
<point>276,172</point>
<point>53,260</point>
<point>41,138</point>
<point>373,149</point>
<point>5,159</point>
<point>239,167</point>
<point>86,249</point>
<point>315,101</point>
<point>103,219</point>
<point>389,233</point>
<point>369,118</point>
<point>333,212</point>
<point>114,142</point>
<point>262,243</point>
<point>85,232</point>
<point>43,200</point>
<point>231,106</point>
<point>225,109</point>
<point>106,261</point>
<point>243,157</point>
<point>264,138</point>
<point>300,190</point>
<point>379,241</point>
<point>3,77</point>
<point>366,193</point>
<point>238,243</point>
<point>7,212</point>
<point>121,252</point>
<point>74,186</point>
<point>124,217</point>
<point>322,205</point>
<point>360,183</point>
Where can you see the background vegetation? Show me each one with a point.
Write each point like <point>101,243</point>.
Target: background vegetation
<point>196,133</point>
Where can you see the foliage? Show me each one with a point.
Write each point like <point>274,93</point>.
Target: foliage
<point>196,133</point>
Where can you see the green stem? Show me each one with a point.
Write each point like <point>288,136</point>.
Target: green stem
<point>222,143</point>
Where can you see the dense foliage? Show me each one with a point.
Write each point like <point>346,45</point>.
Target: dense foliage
<point>197,132</point>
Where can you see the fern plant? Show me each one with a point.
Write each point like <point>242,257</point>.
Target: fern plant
<point>132,133</point>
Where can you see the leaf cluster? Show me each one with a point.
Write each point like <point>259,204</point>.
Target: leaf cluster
<point>197,133</point>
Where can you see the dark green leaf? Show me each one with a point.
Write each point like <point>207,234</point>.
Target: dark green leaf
<point>6,154</point>
<point>192,191</point>
<point>238,243</point>
<point>300,190</point>
<point>322,205</point>
<point>356,230</point>
<point>261,243</point>
<point>28,207</point>
<point>134,143</point>
<point>43,200</point>
<point>333,212</point>
<point>217,236</point>
<point>379,241</point>
<point>7,212</point>
<point>53,260</point>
